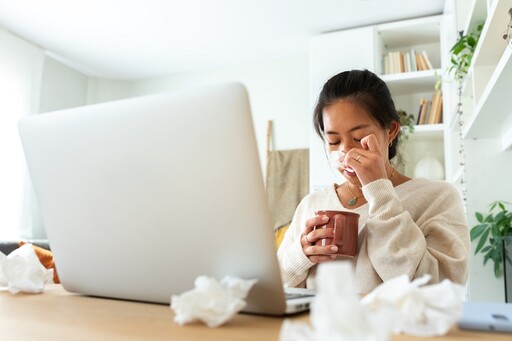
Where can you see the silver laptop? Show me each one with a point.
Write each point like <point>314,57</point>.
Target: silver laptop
<point>141,196</point>
<point>489,316</point>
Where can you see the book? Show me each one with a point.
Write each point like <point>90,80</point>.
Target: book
<point>407,62</point>
<point>414,65</point>
<point>435,111</point>
<point>419,66</point>
<point>428,64</point>
<point>419,111</point>
<point>427,112</point>
<point>386,64</point>
<point>423,111</point>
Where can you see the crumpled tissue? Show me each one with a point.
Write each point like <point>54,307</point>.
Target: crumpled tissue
<point>336,312</point>
<point>22,271</point>
<point>420,310</point>
<point>211,302</point>
<point>396,306</point>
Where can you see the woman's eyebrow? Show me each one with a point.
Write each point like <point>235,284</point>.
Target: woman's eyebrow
<point>358,127</point>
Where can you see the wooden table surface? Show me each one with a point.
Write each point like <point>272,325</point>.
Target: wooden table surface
<point>59,315</point>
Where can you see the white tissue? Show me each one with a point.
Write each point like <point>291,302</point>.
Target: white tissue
<point>336,313</point>
<point>211,302</point>
<point>420,310</point>
<point>334,159</point>
<point>396,306</point>
<point>22,271</point>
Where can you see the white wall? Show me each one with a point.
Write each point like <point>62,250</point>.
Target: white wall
<point>278,91</point>
<point>104,90</point>
<point>61,87</point>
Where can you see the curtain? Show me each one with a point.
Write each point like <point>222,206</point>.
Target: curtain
<point>287,183</point>
<point>21,65</point>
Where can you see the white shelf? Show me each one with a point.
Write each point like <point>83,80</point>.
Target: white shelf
<point>428,131</point>
<point>506,140</point>
<point>490,113</point>
<point>412,82</point>
<point>491,43</point>
<point>454,120</point>
<point>478,13</point>
<point>410,32</point>
<point>457,176</point>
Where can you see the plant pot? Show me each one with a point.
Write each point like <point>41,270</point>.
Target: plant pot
<point>507,267</point>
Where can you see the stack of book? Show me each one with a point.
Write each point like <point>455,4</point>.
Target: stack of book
<point>431,111</point>
<point>397,62</point>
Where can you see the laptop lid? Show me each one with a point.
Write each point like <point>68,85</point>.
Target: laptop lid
<point>141,196</point>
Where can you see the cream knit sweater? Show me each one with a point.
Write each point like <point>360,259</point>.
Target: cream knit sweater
<point>416,228</point>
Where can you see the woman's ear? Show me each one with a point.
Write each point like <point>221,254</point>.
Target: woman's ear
<point>393,131</point>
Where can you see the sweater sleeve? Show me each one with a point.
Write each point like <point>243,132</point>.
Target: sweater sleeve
<point>436,242</point>
<point>293,262</point>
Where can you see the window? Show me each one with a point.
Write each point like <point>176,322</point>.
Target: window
<point>20,78</point>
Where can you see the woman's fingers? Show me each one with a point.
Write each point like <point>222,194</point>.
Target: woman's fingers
<point>370,143</point>
<point>319,254</point>
<point>312,237</point>
<point>367,161</point>
<point>312,223</point>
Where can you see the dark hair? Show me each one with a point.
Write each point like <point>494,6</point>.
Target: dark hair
<point>364,88</point>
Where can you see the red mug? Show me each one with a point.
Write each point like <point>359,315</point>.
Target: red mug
<point>346,229</point>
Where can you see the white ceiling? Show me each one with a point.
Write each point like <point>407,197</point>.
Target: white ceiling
<point>133,39</point>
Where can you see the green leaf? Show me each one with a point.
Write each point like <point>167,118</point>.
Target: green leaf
<point>477,230</point>
<point>458,48</point>
<point>471,41</point>
<point>489,218</point>
<point>479,217</point>
<point>500,216</point>
<point>498,269</point>
<point>487,257</point>
<point>482,241</point>
<point>486,249</point>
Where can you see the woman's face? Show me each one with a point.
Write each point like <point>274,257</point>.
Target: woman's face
<point>345,124</point>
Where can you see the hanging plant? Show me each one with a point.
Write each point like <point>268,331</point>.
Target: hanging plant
<point>462,52</point>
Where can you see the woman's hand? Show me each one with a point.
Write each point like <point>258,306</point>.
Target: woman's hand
<point>367,161</point>
<point>310,237</point>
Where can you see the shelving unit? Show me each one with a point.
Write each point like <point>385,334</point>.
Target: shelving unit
<point>487,128</point>
<point>423,34</point>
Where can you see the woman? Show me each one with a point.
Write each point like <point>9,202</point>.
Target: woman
<point>406,226</point>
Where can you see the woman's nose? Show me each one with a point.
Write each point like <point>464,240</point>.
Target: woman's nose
<point>348,146</point>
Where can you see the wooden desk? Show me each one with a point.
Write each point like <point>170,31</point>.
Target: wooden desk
<point>58,315</point>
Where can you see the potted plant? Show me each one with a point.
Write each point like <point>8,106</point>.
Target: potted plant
<point>494,234</point>
<point>462,52</point>
<point>407,122</point>
<point>407,128</point>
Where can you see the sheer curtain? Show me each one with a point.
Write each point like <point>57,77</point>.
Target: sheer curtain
<point>21,65</point>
